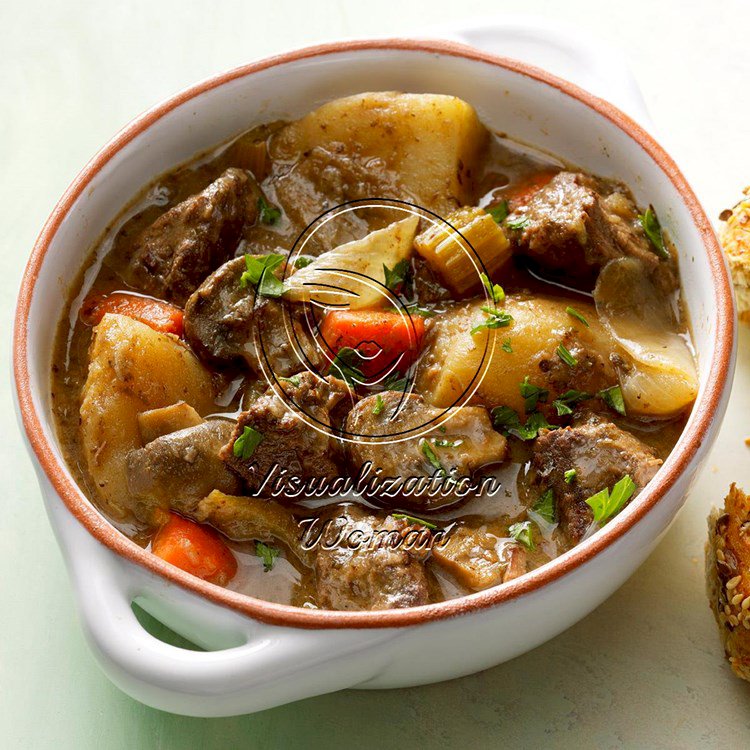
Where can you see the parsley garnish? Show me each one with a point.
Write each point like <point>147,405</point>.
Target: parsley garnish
<point>564,402</point>
<point>429,454</point>
<point>268,214</point>
<point>506,347</point>
<point>574,313</point>
<point>613,398</point>
<point>414,519</point>
<point>495,319</point>
<point>379,405</point>
<point>566,356</point>
<point>496,292</point>
<point>396,276</point>
<point>505,419</point>
<point>442,443</point>
<point>294,380</point>
<point>268,554</point>
<point>523,532</point>
<point>346,365</point>
<point>424,312</point>
<point>545,506</point>
<point>532,394</point>
<point>394,383</point>
<point>260,274</point>
<point>652,228</point>
<point>570,475</point>
<point>606,503</point>
<point>499,212</point>
<point>517,224</point>
<point>245,445</point>
<point>302,262</point>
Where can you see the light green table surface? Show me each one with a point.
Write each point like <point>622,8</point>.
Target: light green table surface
<point>644,670</point>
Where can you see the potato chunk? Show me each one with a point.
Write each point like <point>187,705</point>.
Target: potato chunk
<point>454,356</point>
<point>132,369</point>
<point>433,142</point>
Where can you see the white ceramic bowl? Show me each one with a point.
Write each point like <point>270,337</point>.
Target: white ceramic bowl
<point>261,654</point>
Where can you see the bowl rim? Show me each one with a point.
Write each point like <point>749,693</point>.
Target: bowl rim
<point>287,615</point>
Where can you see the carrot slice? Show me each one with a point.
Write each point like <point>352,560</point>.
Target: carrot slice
<point>196,549</point>
<point>160,315</point>
<point>383,339</point>
<point>521,193</point>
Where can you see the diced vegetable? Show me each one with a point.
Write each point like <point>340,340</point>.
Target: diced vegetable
<point>341,277</point>
<point>155,313</point>
<point>196,549</point>
<point>519,194</point>
<point>456,257</point>
<point>382,339</point>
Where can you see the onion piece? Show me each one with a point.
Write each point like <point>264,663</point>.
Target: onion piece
<point>663,380</point>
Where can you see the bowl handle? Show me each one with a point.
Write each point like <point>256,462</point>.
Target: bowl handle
<point>251,665</point>
<point>598,66</point>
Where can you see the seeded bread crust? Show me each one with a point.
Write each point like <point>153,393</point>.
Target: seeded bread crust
<point>728,577</point>
<point>735,239</point>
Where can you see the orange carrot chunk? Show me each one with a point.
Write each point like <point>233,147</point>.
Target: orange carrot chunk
<point>522,192</point>
<point>196,549</point>
<point>160,315</point>
<point>384,340</point>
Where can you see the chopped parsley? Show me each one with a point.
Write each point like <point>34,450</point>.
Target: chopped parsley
<point>302,262</point>
<point>379,405</point>
<point>443,443</point>
<point>496,292</point>
<point>245,445</point>
<point>394,383</point>
<point>524,533</point>
<point>424,312</point>
<point>575,314</point>
<point>652,228</point>
<point>607,503</point>
<point>506,420</point>
<point>517,224</point>
<point>565,402</point>
<point>294,380</point>
<point>499,212</point>
<point>545,506</point>
<point>495,319</point>
<point>268,214</point>
<point>346,366</point>
<point>259,273</point>
<point>429,454</point>
<point>566,356</point>
<point>414,519</point>
<point>532,394</point>
<point>506,346</point>
<point>268,554</point>
<point>570,475</point>
<point>613,398</point>
<point>396,276</point>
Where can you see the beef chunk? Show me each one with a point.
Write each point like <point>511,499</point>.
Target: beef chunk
<point>365,562</point>
<point>175,254</point>
<point>288,441</point>
<point>601,453</point>
<point>575,224</point>
<point>466,442</point>
<point>177,470</point>
<point>225,322</point>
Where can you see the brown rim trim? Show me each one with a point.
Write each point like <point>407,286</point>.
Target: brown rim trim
<point>278,614</point>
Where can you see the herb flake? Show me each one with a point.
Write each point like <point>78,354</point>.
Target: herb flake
<point>532,394</point>
<point>564,353</point>
<point>499,212</point>
<point>523,532</point>
<point>267,213</point>
<point>414,519</point>
<point>575,314</point>
<point>652,228</point>
<point>495,291</point>
<point>245,445</point>
<point>259,273</point>
<point>396,276</point>
<point>429,454</point>
<point>613,398</point>
<point>346,365</point>
<point>268,554</point>
<point>607,503</point>
<point>570,476</point>
<point>379,405</point>
<point>495,319</point>
<point>545,506</point>
<point>565,402</point>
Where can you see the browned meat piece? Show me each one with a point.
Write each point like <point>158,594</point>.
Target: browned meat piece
<point>467,443</point>
<point>366,564</point>
<point>728,577</point>
<point>288,442</point>
<point>223,323</point>
<point>478,559</point>
<point>177,470</point>
<point>361,561</point>
<point>174,255</point>
<point>601,453</point>
<point>575,224</point>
